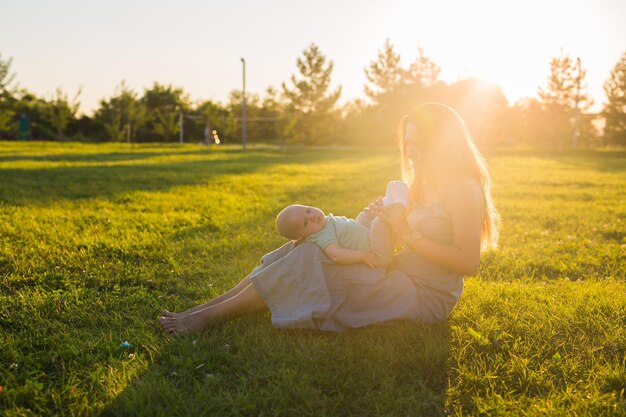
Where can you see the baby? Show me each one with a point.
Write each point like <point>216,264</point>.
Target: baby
<point>345,241</point>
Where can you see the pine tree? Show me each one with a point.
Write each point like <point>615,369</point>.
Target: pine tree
<point>60,110</point>
<point>163,105</point>
<point>122,114</point>
<point>310,106</point>
<point>421,82</point>
<point>385,74</point>
<point>562,84</point>
<point>423,72</point>
<point>564,91</point>
<point>389,95</point>
<point>615,109</point>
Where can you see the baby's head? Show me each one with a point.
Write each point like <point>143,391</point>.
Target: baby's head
<point>299,222</point>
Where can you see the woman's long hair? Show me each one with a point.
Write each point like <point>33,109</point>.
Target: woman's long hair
<point>439,125</point>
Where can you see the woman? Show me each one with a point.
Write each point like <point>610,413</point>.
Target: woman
<point>449,220</point>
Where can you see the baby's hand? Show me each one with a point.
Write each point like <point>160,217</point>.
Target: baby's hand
<point>370,260</point>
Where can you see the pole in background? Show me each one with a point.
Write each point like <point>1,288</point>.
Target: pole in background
<point>576,112</point>
<point>243,107</point>
<point>180,127</point>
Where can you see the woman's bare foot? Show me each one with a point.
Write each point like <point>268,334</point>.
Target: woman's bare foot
<point>184,323</point>
<point>173,325</point>
<point>166,313</point>
<point>246,301</point>
<point>228,294</point>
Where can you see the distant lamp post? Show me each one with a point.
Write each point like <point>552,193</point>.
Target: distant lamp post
<point>243,107</point>
<point>576,111</point>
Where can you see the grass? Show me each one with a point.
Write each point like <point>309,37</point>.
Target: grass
<point>96,239</point>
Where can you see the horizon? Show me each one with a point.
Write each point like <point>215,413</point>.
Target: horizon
<point>62,45</point>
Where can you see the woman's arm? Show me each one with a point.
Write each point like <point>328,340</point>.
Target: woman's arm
<point>465,207</point>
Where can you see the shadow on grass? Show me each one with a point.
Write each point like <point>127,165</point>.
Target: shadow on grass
<point>25,186</point>
<point>611,160</point>
<point>96,157</point>
<point>131,154</point>
<point>601,161</point>
<point>247,367</point>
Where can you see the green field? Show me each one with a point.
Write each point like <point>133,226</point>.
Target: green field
<point>96,239</point>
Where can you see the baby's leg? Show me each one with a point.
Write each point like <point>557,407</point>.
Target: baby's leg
<point>366,218</point>
<point>381,241</point>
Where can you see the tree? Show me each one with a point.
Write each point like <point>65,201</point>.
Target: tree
<point>163,105</point>
<point>356,127</point>
<point>122,114</point>
<point>564,91</point>
<point>484,108</point>
<point>563,81</point>
<point>385,75</point>
<point>34,108</point>
<point>310,105</point>
<point>614,110</point>
<point>528,123</point>
<point>395,90</point>
<point>213,116</point>
<point>7,92</point>
<point>423,72</point>
<point>271,118</point>
<point>60,110</point>
<point>233,122</point>
<point>387,91</point>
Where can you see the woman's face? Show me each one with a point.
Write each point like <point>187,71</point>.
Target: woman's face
<point>412,143</point>
<point>426,154</point>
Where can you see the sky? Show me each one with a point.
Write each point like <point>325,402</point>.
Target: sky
<point>198,45</point>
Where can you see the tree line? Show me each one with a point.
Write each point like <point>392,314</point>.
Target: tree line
<point>304,109</point>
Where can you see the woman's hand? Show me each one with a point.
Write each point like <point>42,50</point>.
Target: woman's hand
<point>395,215</point>
<point>371,260</point>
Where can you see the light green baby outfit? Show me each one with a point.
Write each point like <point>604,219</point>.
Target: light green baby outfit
<point>348,233</point>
